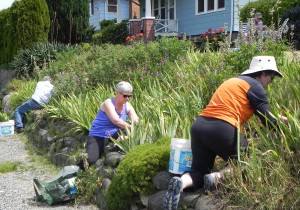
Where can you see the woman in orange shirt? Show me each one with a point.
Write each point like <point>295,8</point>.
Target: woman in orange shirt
<point>214,132</point>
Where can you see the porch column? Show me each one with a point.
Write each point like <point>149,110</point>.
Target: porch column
<point>148,8</point>
<point>135,27</point>
<point>148,29</point>
<point>148,23</point>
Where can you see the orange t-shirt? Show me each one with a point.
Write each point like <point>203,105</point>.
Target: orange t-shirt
<point>236,100</point>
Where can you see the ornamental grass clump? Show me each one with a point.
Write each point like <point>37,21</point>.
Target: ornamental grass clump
<point>135,172</point>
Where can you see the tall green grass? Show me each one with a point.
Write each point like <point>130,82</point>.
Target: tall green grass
<point>271,178</point>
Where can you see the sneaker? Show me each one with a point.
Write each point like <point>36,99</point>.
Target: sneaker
<point>171,199</point>
<point>19,130</point>
<point>210,182</point>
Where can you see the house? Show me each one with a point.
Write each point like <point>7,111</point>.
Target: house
<point>112,9</point>
<point>192,17</point>
<point>169,17</point>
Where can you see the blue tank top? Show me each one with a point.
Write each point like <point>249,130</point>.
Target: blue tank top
<point>103,127</point>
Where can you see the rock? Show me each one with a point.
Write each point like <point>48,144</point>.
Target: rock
<point>161,180</point>
<point>156,200</point>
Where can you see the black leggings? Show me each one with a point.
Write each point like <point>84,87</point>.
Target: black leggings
<point>94,149</point>
<point>210,137</point>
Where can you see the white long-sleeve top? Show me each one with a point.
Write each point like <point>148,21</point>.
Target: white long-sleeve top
<point>43,92</point>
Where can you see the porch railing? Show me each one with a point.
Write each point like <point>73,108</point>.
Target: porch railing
<point>165,27</point>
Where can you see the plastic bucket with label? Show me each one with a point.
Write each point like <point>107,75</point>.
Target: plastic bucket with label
<point>180,156</point>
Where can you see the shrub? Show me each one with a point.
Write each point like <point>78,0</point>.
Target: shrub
<point>240,60</point>
<point>135,173</point>
<point>36,57</point>
<point>104,23</point>
<point>112,33</point>
<point>69,20</point>
<point>294,20</point>
<point>271,10</point>
<point>33,22</point>
<point>3,117</point>
<point>210,40</point>
<point>87,183</point>
<point>24,24</point>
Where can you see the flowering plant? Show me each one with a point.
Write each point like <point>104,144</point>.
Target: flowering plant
<point>133,38</point>
<point>210,39</point>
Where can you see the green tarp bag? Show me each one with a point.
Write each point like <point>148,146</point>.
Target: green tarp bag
<point>59,188</point>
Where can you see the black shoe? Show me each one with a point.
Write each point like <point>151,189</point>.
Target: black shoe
<point>19,130</point>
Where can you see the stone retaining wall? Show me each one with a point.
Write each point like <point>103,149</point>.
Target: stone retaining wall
<point>47,137</point>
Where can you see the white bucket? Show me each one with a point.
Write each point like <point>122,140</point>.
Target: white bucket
<point>7,128</point>
<point>180,156</point>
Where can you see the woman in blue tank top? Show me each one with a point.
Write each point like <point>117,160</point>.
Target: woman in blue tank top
<point>111,117</point>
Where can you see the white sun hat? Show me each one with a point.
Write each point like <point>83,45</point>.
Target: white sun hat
<point>262,63</point>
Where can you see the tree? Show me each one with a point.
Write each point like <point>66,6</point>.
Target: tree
<point>24,24</point>
<point>69,20</point>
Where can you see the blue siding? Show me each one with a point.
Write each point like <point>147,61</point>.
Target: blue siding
<point>192,24</point>
<point>100,12</point>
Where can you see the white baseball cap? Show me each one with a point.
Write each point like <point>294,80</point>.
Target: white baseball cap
<point>262,63</point>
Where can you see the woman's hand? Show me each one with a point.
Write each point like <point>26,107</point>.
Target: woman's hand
<point>283,119</point>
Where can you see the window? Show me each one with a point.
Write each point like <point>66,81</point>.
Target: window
<point>211,5</point>
<point>204,6</point>
<point>159,9</point>
<point>221,4</point>
<point>91,4</point>
<point>112,5</point>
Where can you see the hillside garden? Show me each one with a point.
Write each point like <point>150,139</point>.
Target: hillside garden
<point>172,83</point>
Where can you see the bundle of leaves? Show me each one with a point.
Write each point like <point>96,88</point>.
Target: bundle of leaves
<point>3,117</point>
<point>135,173</point>
<point>37,57</point>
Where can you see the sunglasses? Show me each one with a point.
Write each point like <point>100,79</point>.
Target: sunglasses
<point>272,76</point>
<point>125,96</point>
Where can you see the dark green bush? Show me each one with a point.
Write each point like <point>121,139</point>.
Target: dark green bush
<point>33,22</point>
<point>294,19</point>
<point>264,6</point>
<point>240,60</point>
<point>112,33</point>
<point>135,173</point>
<point>104,23</point>
<point>21,26</point>
<point>69,21</point>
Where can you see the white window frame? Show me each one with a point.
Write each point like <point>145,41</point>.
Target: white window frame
<point>91,7</point>
<point>166,7</point>
<point>216,9</point>
<point>114,5</point>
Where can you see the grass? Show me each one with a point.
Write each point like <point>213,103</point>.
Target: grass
<point>7,167</point>
<point>292,56</point>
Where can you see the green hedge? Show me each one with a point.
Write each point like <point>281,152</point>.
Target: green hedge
<point>24,24</point>
<point>265,7</point>
<point>135,173</point>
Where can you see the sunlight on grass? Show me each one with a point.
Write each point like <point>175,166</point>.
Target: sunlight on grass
<point>9,166</point>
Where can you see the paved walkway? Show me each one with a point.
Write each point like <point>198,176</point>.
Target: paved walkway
<point>16,188</point>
